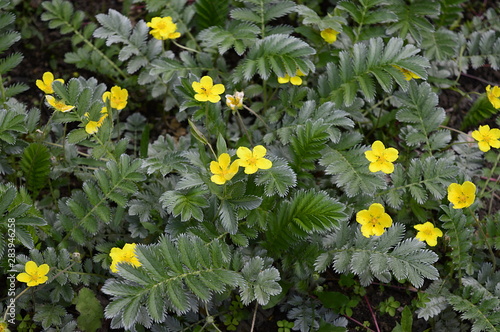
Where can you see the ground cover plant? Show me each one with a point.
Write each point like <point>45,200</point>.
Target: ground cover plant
<point>250,165</point>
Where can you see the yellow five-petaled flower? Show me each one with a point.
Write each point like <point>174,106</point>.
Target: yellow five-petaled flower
<point>163,28</point>
<point>373,221</point>
<point>380,158</point>
<point>117,97</point>
<point>428,233</point>
<point>207,91</point>
<point>59,105</point>
<point>34,275</point>
<point>329,35</point>
<point>124,255</point>
<point>45,84</point>
<point>462,195</point>
<point>487,138</point>
<point>253,160</point>
<point>493,95</point>
<point>223,169</point>
<point>295,80</point>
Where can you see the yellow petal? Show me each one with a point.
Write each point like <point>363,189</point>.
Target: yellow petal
<point>206,82</point>
<point>92,127</point>
<point>201,97</point>
<point>31,267</point>
<point>259,151</point>
<point>363,217</point>
<point>218,179</point>
<point>264,163</point>
<point>469,188</point>
<point>371,156</point>
<point>385,220</point>
<point>224,161</point>
<point>215,168</point>
<point>213,98</point>
<point>375,167</point>
<point>387,167</point>
<point>484,130</point>
<point>296,80</point>
<point>43,269</point>
<point>483,146</point>
<point>23,277</point>
<point>250,169</point>
<point>391,154</point>
<point>378,147</point>
<point>367,230</point>
<point>283,80</point>
<point>218,89</point>
<point>244,153</point>
<point>477,135</point>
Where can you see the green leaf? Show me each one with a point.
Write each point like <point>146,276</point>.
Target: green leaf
<point>277,180</point>
<point>90,309</point>
<point>188,204</point>
<point>349,170</point>
<point>35,164</point>
<point>270,53</point>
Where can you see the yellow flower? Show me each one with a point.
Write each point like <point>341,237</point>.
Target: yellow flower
<point>380,158</point>
<point>207,91</point>
<point>463,195</point>
<point>295,80</point>
<point>253,160</point>
<point>428,233</point>
<point>59,105</point>
<point>487,138</point>
<point>45,84</point>
<point>493,95</point>
<point>235,102</point>
<point>163,28</point>
<point>34,275</point>
<point>374,220</point>
<point>4,327</point>
<point>329,35</point>
<point>91,127</point>
<point>125,255</point>
<point>408,74</point>
<point>117,96</point>
<point>222,169</point>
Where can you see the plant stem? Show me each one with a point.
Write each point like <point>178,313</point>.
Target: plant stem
<point>184,47</point>
<point>254,316</point>
<point>359,323</point>
<point>242,125</point>
<point>258,116</point>
<point>372,313</point>
<point>480,227</point>
<point>489,178</point>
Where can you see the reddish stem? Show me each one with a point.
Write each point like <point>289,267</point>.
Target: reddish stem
<point>372,313</point>
<point>359,323</point>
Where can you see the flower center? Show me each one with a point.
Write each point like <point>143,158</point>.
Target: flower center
<point>487,138</point>
<point>161,26</point>
<point>252,161</point>
<point>374,220</point>
<point>463,198</point>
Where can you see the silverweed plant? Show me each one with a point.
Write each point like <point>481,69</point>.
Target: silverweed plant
<point>320,184</point>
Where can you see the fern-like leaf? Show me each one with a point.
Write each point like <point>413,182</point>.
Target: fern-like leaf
<point>171,276</point>
<point>279,54</point>
<point>307,212</point>
<point>368,64</point>
<point>35,164</point>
